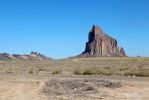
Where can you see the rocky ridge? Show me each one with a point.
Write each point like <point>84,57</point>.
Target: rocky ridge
<point>32,56</point>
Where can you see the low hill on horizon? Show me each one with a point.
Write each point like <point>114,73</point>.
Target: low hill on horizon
<point>32,56</point>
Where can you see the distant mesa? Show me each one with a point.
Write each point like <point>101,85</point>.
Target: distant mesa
<point>32,56</point>
<point>100,44</point>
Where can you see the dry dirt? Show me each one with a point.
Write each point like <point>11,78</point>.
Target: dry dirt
<point>21,89</point>
<point>25,87</point>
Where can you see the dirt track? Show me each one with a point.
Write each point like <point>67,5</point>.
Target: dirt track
<point>21,89</point>
<point>30,88</point>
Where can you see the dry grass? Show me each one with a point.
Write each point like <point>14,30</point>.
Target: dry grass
<point>77,87</point>
<point>80,66</point>
<point>92,71</point>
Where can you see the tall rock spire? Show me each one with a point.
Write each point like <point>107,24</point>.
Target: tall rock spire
<point>100,44</point>
<point>95,31</point>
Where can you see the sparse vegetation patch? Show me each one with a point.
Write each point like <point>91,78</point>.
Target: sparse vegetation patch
<point>77,86</point>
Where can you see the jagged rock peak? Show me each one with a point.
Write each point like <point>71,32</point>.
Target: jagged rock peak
<point>95,33</point>
<point>100,44</point>
<point>96,30</point>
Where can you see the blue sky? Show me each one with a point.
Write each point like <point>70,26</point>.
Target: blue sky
<point>59,28</point>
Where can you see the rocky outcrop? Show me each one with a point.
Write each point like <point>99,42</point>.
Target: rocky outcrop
<point>5,56</point>
<point>31,56</point>
<point>37,55</point>
<point>100,44</point>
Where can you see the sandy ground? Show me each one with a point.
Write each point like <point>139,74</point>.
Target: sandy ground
<point>21,89</point>
<point>30,88</point>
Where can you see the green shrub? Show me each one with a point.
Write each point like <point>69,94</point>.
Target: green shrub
<point>31,72</point>
<point>105,72</point>
<point>77,72</point>
<point>92,71</point>
<point>89,72</point>
<point>9,71</point>
<point>55,72</point>
<point>137,73</point>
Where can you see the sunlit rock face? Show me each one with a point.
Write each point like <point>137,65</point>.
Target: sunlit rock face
<point>100,44</point>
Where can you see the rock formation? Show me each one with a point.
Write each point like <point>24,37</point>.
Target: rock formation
<point>100,44</point>
<point>37,55</point>
<point>5,56</point>
<point>31,56</point>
